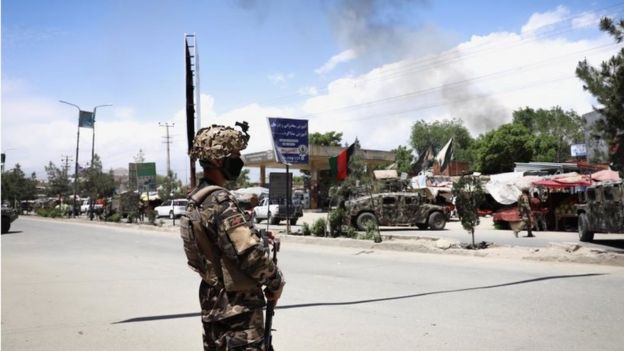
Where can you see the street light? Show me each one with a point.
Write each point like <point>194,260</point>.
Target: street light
<point>93,140</point>
<point>78,146</point>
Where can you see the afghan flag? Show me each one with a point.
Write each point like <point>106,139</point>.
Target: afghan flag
<point>339,165</point>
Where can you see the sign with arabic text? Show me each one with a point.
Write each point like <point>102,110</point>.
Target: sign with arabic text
<point>290,139</point>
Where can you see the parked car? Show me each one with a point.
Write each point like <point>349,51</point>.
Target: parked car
<point>395,209</point>
<point>84,207</point>
<point>601,210</point>
<point>277,212</point>
<point>8,216</point>
<point>172,208</point>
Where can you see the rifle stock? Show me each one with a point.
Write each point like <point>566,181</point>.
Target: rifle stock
<point>270,308</point>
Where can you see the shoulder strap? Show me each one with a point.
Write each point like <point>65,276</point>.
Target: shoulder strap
<point>200,195</point>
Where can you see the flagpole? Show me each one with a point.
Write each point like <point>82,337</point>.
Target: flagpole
<point>288,186</point>
<point>92,200</point>
<point>77,149</point>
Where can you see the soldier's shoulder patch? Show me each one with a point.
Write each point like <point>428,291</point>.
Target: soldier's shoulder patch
<point>221,196</point>
<point>234,221</point>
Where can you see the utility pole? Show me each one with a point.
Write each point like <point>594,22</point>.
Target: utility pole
<point>65,159</point>
<point>80,112</point>
<point>168,142</point>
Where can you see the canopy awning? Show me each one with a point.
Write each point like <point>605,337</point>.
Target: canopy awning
<point>561,184</point>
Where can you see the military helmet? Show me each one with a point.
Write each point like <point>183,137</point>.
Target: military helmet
<point>216,142</point>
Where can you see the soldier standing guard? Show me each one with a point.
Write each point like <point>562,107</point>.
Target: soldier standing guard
<point>220,244</point>
<point>524,206</point>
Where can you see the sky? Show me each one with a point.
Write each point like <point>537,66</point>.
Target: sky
<point>367,68</point>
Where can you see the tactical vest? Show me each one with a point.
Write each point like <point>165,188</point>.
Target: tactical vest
<point>203,255</point>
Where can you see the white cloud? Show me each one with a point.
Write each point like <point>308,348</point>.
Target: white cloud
<point>480,81</point>
<point>280,78</point>
<point>308,91</point>
<point>335,60</point>
<point>585,20</point>
<point>541,20</point>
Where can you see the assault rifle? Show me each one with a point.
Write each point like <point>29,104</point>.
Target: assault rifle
<point>270,308</point>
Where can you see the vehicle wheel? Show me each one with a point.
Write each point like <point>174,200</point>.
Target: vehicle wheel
<point>275,220</point>
<point>436,221</point>
<point>293,221</point>
<point>6,225</point>
<point>585,234</point>
<point>364,218</point>
<point>421,226</point>
<point>171,215</point>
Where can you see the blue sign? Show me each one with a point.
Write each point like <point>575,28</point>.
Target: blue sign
<point>290,139</point>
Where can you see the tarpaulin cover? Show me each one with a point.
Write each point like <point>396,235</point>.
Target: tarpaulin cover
<point>605,175</point>
<point>564,182</point>
<point>505,188</point>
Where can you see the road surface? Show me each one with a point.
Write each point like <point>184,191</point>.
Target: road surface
<point>68,286</point>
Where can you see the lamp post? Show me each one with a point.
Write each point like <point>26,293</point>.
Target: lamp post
<point>76,164</point>
<point>78,148</point>
<point>92,199</point>
<point>93,139</point>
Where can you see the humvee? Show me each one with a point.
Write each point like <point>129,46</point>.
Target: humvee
<point>395,209</point>
<point>8,216</point>
<point>601,210</point>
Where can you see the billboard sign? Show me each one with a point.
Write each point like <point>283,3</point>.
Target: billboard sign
<point>290,139</point>
<point>578,150</point>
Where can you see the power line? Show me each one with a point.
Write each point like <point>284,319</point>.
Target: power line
<point>457,83</point>
<point>453,55</point>
<point>168,142</point>
<point>441,104</point>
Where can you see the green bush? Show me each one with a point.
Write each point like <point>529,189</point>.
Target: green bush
<point>115,217</point>
<point>50,212</point>
<point>336,218</point>
<point>151,216</point>
<point>305,229</point>
<point>372,232</point>
<point>319,226</point>
<point>349,232</point>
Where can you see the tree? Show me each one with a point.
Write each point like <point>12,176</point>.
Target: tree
<point>326,139</point>
<point>554,131</point>
<point>497,150</point>
<point>469,195</point>
<point>169,187</point>
<point>58,181</point>
<point>16,187</point>
<point>139,157</point>
<point>403,158</point>
<point>94,182</point>
<point>438,133</point>
<point>606,84</point>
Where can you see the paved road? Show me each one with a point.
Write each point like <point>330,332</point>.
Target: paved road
<point>66,286</point>
<point>486,232</point>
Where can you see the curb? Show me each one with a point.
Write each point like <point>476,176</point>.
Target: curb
<point>557,252</point>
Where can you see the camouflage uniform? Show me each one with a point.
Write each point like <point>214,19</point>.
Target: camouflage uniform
<point>233,272</point>
<point>524,207</point>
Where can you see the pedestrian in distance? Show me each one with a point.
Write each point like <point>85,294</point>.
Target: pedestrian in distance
<point>524,207</point>
<point>231,257</point>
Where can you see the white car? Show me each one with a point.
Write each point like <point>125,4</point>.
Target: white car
<point>172,208</point>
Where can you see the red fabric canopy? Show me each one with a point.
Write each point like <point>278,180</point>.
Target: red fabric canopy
<point>554,184</point>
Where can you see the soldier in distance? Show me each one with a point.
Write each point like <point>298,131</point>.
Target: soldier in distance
<point>222,246</point>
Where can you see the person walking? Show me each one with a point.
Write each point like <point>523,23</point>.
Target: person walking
<point>231,257</point>
<point>524,207</point>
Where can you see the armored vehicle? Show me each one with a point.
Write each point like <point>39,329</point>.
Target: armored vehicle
<point>601,210</point>
<point>8,216</point>
<point>395,209</point>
